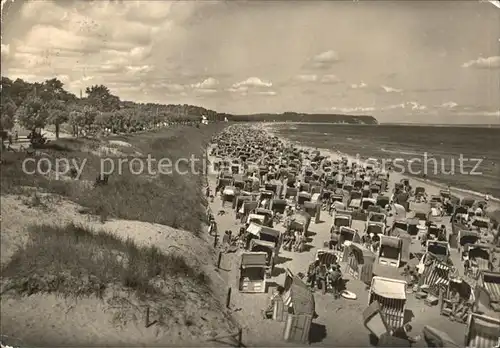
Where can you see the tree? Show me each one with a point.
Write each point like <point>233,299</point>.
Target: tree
<point>89,115</point>
<point>104,119</point>
<point>8,111</point>
<point>55,99</point>
<point>32,113</point>
<point>102,99</point>
<point>57,117</point>
<point>83,119</point>
<point>75,120</point>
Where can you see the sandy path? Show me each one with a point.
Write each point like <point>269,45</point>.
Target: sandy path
<point>340,321</point>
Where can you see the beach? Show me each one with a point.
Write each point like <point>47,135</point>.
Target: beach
<point>339,322</point>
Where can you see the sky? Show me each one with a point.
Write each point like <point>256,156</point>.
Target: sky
<point>400,61</point>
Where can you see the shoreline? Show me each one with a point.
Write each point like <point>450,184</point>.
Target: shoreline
<point>486,125</point>
<point>431,186</point>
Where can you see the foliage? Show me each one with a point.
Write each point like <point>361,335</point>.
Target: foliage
<point>102,99</point>
<point>8,110</point>
<point>32,113</point>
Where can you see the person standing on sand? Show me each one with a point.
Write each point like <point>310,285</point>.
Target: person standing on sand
<point>321,275</point>
<point>334,278</point>
<point>311,273</point>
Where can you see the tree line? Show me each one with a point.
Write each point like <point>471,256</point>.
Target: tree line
<point>40,104</point>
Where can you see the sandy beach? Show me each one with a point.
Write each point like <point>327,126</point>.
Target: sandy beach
<point>340,321</point>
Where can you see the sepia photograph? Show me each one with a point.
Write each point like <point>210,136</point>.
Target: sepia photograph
<point>250,173</point>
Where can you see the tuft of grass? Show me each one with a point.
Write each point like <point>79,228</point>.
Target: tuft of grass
<point>175,199</point>
<point>75,261</point>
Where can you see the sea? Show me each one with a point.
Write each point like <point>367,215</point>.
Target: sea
<point>461,157</point>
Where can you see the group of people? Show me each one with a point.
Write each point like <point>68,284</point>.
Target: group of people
<point>460,306</point>
<point>324,277</point>
<point>441,235</point>
<point>294,241</point>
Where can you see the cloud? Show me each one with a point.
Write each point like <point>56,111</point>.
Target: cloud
<point>5,49</point>
<point>139,69</point>
<point>410,105</point>
<point>324,60</point>
<point>252,82</point>
<point>430,90</point>
<point>391,89</point>
<point>359,86</point>
<point>252,86</point>
<point>356,109</point>
<point>483,63</point>
<point>269,93</point>
<point>325,79</point>
<point>306,78</point>
<point>239,89</point>
<point>118,44</point>
<point>448,105</point>
<point>330,78</point>
<point>206,84</point>
<point>495,3</point>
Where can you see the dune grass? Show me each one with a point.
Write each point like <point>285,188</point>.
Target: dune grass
<point>175,200</point>
<point>75,261</point>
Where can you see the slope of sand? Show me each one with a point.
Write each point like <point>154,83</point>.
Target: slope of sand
<point>339,322</point>
<point>118,319</point>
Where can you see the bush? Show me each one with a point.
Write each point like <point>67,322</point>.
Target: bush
<point>75,261</point>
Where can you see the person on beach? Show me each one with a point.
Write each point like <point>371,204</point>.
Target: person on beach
<point>334,279</point>
<point>311,273</point>
<point>297,241</point>
<point>478,212</point>
<point>375,243</point>
<point>332,209</point>
<point>368,241</point>
<point>276,296</point>
<point>321,275</point>
<point>287,241</point>
<point>466,263</point>
<point>334,240</point>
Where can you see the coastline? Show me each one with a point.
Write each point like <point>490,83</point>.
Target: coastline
<point>432,187</point>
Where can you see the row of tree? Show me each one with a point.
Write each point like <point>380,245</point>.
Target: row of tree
<point>37,105</point>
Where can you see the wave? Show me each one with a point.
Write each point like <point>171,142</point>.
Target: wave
<point>399,152</point>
